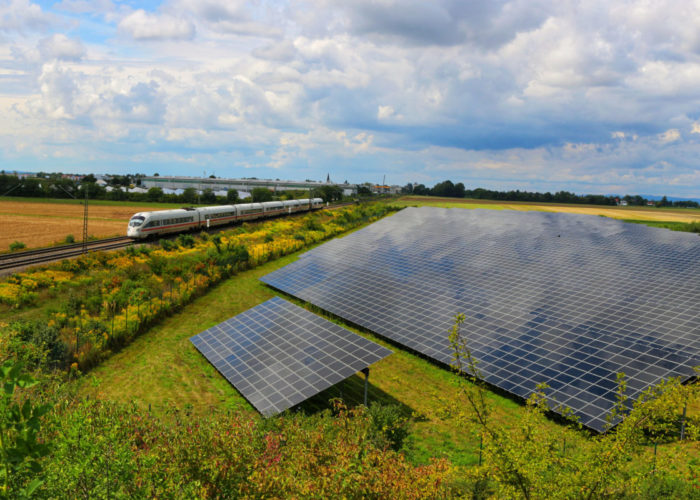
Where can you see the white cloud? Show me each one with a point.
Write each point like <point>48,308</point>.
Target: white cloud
<point>144,26</point>
<point>670,135</point>
<point>59,46</point>
<point>506,93</point>
<point>384,112</point>
<point>22,15</point>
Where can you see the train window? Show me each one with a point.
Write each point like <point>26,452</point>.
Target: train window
<point>136,221</point>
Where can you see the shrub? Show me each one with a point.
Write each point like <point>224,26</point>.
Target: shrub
<point>167,245</point>
<point>70,239</point>
<point>185,240</point>
<point>390,424</point>
<point>17,245</point>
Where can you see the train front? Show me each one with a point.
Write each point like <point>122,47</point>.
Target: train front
<point>135,225</point>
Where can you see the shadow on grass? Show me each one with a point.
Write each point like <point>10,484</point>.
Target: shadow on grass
<point>351,391</point>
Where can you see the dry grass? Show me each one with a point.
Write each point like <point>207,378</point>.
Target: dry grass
<point>636,213</point>
<point>39,224</point>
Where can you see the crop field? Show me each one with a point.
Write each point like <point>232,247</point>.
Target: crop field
<point>637,213</point>
<point>38,223</point>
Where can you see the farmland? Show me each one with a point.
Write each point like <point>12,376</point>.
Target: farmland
<point>39,223</point>
<point>161,375</point>
<point>637,213</point>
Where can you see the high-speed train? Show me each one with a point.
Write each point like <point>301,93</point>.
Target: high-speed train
<point>145,224</point>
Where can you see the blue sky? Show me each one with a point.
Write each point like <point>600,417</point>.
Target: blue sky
<point>590,97</point>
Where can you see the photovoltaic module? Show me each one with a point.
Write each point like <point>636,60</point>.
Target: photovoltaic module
<point>278,354</point>
<point>569,300</point>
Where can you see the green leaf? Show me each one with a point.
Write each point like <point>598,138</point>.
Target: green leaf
<point>32,487</point>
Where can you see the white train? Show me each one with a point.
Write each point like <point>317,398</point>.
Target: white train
<point>144,224</point>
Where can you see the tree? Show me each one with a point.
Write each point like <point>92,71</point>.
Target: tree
<point>155,194</point>
<point>189,195</point>
<point>421,190</point>
<point>446,188</point>
<point>528,460</point>
<point>329,193</point>
<point>232,196</point>
<point>208,196</point>
<point>459,190</point>
<point>260,194</point>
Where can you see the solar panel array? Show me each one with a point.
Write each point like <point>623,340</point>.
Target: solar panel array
<point>278,354</point>
<point>565,299</point>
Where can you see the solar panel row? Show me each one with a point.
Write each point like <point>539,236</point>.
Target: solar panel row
<point>565,299</point>
<point>278,354</point>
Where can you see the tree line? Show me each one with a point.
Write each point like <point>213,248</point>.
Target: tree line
<point>451,190</point>
<point>56,185</point>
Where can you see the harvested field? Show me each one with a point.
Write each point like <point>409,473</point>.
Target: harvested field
<point>636,213</point>
<point>38,224</point>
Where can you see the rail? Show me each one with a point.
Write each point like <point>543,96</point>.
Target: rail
<point>41,255</point>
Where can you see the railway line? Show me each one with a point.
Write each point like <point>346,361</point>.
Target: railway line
<point>12,262</point>
<point>15,261</point>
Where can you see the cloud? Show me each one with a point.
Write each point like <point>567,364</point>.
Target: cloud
<point>59,46</point>
<point>141,25</point>
<point>532,94</point>
<point>22,15</point>
<point>670,135</point>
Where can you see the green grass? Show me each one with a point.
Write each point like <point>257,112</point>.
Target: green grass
<point>106,203</point>
<point>691,227</point>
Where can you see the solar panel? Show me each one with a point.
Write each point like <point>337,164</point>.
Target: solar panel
<point>565,299</point>
<point>278,354</point>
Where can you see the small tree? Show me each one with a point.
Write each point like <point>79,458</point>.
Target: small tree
<point>526,460</point>
<point>232,196</point>
<point>20,423</point>
<point>261,194</point>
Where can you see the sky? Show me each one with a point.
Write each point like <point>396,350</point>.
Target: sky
<point>592,97</point>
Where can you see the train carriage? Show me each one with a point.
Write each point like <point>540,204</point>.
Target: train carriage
<point>250,211</point>
<point>145,224</point>
<point>218,216</point>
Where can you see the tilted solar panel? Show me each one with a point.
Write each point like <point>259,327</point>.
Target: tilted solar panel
<point>570,300</point>
<point>278,354</point>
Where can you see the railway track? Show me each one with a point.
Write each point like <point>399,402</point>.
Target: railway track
<point>15,261</point>
<point>42,255</point>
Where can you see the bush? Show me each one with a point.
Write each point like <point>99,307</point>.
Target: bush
<point>167,245</point>
<point>17,245</point>
<point>109,450</point>
<point>70,239</point>
<point>185,240</point>
<point>390,424</point>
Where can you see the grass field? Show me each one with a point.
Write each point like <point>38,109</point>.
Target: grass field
<point>162,368</point>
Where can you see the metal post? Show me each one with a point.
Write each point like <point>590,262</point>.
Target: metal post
<point>366,372</point>
<point>85,220</point>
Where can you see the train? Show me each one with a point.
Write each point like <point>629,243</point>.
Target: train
<point>147,224</point>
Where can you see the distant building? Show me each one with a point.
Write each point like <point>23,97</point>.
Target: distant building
<point>240,185</point>
<point>379,189</point>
